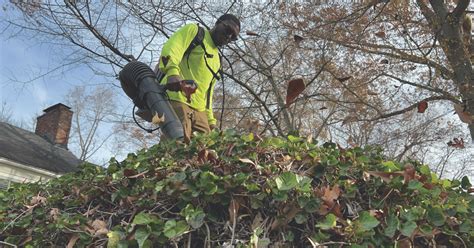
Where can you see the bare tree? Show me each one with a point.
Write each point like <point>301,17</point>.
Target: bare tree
<point>92,110</point>
<point>370,69</point>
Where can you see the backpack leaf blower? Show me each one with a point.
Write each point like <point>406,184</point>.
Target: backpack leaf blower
<point>141,85</point>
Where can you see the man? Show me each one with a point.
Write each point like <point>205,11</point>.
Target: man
<point>201,64</point>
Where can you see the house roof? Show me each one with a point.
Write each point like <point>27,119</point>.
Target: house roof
<point>27,148</point>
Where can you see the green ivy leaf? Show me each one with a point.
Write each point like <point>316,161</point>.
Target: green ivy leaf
<point>143,219</point>
<point>141,235</point>
<point>426,229</point>
<point>390,166</point>
<point>471,205</point>
<point>425,170</point>
<point>392,225</point>
<point>304,183</point>
<point>328,223</point>
<point>159,186</point>
<point>301,218</point>
<point>194,217</point>
<point>175,228</point>
<point>294,139</point>
<point>247,137</point>
<point>466,226</point>
<point>408,228</point>
<point>114,238</point>
<point>415,185</point>
<point>436,216</point>
<point>286,181</point>
<point>312,205</point>
<point>367,221</point>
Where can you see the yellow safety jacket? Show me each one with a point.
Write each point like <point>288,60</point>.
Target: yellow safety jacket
<point>172,63</point>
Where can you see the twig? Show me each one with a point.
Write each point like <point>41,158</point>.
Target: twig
<point>13,221</point>
<point>189,240</point>
<point>333,243</point>
<point>5,243</point>
<point>385,197</point>
<point>208,237</point>
<point>455,235</point>
<point>234,222</point>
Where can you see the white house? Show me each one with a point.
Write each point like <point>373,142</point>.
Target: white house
<point>26,156</point>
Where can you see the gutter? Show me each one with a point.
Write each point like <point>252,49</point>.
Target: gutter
<point>28,168</point>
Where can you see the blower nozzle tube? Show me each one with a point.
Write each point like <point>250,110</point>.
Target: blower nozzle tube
<point>139,83</point>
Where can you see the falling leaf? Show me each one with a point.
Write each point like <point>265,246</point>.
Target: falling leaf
<point>422,106</point>
<point>350,118</point>
<point>251,33</point>
<point>457,143</point>
<point>380,34</point>
<point>295,87</point>
<point>297,38</point>
<point>371,93</point>
<point>384,61</point>
<point>157,119</point>
<point>463,115</point>
<point>342,79</point>
<point>188,87</point>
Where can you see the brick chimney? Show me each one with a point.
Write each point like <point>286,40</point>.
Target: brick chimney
<point>54,125</point>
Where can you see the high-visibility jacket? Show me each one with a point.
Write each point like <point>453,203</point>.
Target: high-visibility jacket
<point>194,67</point>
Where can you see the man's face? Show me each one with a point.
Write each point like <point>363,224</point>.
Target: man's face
<point>225,32</point>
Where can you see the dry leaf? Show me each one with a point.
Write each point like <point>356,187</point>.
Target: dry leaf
<point>99,227</point>
<point>157,119</point>
<point>409,173</point>
<point>371,93</point>
<point>129,172</point>
<point>54,213</point>
<point>257,221</point>
<point>385,176</point>
<point>404,243</point>
<point>233,210</point>
<point>295,87</point>
<point>422,106</point>
<point>297,38</point>
<point>350,118</point>
<point>72,241</point>
<point>342,79</point>
<point>188,87</point>
<point>247,161</point>
<point>251,33</point>
<point>463,115</point>
<point>331,194</point>
<point>457,143</point>
<point>38,200</point>
<point>202,156</point>
<point>380,34</point>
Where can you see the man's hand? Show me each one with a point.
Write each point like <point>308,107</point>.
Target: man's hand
<point>173,83</point>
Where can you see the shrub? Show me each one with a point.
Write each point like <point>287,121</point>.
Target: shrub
<point>229,190</point>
